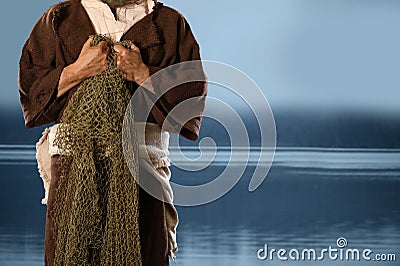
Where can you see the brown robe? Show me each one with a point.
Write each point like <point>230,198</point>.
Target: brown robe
<point>152,226</point>
<point>164,38</point>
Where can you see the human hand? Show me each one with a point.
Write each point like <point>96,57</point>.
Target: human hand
<point>92,60</point>
<point>130,62</point>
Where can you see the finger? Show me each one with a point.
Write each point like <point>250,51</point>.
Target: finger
<point>119,48</point>
<point>135,48</point>
<point>122,68</point>
<point>88,43</point>
<point>118,61</point>
<point>107,49</point>
<point>103,46</point>
<point>121,65</point>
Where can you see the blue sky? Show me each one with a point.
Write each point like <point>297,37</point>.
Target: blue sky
<point>318,54</point>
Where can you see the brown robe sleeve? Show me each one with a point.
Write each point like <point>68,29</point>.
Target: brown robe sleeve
<point>187,49</point>
<point>39,75</point>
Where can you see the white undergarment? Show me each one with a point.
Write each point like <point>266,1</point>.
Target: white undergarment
<point>106,23</point>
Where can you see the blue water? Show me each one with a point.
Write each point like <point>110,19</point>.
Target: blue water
<point>310,198</point>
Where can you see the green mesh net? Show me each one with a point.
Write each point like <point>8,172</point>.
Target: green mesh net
<point>97,214</point>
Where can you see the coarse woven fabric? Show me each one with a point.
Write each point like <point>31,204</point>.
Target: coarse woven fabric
<point>98,223</point>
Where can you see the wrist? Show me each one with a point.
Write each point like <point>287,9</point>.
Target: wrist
<point>70,77</point>
<point>76,72</point>
<point>142,74</point>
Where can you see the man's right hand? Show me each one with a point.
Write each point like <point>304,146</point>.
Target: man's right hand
<point>92,60</point>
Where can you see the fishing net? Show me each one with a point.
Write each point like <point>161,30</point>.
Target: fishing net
<point>97,214</point>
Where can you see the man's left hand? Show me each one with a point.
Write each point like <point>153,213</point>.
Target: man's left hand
<point>129,61</point>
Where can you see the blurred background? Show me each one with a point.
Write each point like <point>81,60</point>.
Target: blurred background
<point>329,70</point>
